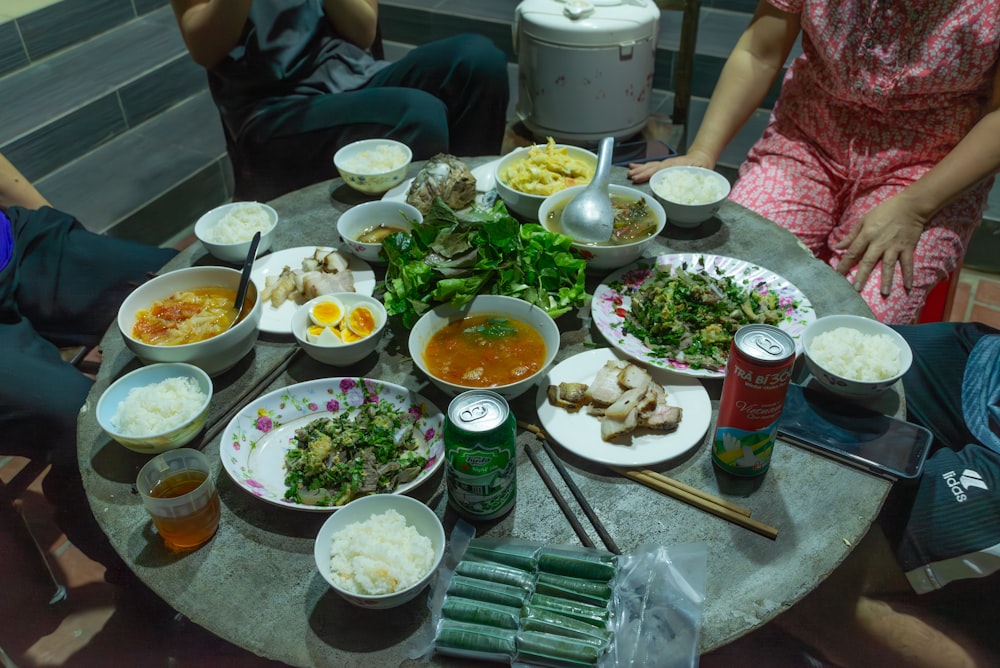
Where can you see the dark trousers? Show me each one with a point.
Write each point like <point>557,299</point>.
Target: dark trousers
<point>449,96</point>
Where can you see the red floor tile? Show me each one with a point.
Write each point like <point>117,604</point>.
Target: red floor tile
<point>985,314</point>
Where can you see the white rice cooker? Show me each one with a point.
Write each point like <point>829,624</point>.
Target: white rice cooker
<point>585,67</point>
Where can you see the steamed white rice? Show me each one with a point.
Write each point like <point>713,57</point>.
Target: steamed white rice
<point>159,407</point>
<point>689,187</point>
<point>239,224</point>
<point>380,159</point>
<point>380,555</point>
<point>851,354</point>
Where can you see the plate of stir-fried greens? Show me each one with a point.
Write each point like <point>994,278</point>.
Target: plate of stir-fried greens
<point>680,312</point>
<point>320,444</point>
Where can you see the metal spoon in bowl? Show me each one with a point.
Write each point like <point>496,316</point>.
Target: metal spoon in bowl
<point>589,216</point>
<point>241,291</point>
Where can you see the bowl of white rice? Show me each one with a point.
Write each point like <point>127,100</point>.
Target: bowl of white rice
<point>689,195</point>
<point>373,166</point>
<point>380,551</point>
<point>157,407</point>
<point>227,230</point>
<point>855,356</point>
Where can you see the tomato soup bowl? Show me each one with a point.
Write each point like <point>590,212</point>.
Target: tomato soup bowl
<point>498,306</point>
<point>605,257</point>
<point>215,355</point>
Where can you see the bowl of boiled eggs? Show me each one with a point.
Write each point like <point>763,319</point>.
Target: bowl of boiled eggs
<point>341,328</point>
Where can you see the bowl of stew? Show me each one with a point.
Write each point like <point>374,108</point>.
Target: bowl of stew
<point>362,228</point>
<point>639,219</point>
<point>494,342</point>
<point>186,316</point>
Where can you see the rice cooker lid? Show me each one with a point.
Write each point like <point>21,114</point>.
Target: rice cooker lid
<point>588,22</point>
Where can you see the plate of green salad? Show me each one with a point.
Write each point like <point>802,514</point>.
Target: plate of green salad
<point>318,445</point>
<point>680,312</point>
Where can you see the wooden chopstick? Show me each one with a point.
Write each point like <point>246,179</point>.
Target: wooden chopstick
<point>703,504</point>
<point>655,478</point>
<point>560,499</point>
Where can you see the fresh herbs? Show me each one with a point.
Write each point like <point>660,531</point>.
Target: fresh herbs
<point>451,259</point>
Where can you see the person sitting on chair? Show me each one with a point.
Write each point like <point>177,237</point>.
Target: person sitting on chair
<point>295,80</point>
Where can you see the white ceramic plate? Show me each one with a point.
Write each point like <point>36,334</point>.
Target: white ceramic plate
<point>255,441</point>
<point>612,299</point>
<point>484,183</point>
<point>580,433</point>
<point>279,320</point>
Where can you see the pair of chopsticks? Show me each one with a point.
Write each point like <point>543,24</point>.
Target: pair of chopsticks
<point>702,500</point>
<point>574,521</point>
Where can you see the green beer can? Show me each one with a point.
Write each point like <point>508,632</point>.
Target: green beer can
<point>480,455</point>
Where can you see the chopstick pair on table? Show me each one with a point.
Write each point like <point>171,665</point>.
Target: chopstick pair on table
<point>695,497</point>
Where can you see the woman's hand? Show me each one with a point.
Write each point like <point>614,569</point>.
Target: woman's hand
<point>888,234</point>
<point>641,172</point>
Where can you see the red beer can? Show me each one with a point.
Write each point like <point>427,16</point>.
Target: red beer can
<point>753,397</point>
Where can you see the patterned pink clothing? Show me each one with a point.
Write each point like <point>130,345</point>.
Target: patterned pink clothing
<point>883,90</point>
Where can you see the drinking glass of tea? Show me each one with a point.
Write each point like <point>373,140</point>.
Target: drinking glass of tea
<point>178,492</point>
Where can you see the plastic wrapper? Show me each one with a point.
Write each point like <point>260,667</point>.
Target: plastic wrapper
<point>527,604</point>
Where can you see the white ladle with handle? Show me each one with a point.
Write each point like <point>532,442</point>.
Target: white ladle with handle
<point>589,216</point>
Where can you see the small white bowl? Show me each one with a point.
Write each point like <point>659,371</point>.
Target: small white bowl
<point>233,252</point>
<point>376,179</point>
<point>169,439</point>
<point>511,307</point>
<point>366,216</point>
<point>340,354</point>
<point>851,387</point>
<point>215,355</point>
<point>605,256</point>
<point>416,514</point>
<point>525,205</point>
<point>666,186</point>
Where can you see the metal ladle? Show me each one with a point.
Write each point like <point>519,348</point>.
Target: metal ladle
<point>589,216</point>
<point>241,291</point>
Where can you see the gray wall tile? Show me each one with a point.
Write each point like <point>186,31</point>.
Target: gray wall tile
<point>146,6</point>
<point>12,52</point>
<point>175,81</point>
<point>69,22</point>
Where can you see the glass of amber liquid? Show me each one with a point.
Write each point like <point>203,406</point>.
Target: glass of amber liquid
<point>178,492</point>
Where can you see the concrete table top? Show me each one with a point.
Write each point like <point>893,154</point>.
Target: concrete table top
<point>255,583</point>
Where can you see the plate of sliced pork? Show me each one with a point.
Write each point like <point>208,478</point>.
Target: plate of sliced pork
<point>614,411</point>
<point>291,277</point>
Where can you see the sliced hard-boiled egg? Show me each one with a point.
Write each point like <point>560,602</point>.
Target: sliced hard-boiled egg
<point>361,320</point>
<point>349,336</point>
<point>327,313</point>
<point>323,336</point>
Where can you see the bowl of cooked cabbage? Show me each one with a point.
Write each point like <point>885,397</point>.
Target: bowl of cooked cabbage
<point>362,228</point>
<point>494,342</point>
<point>380,551</point>
<point>639,218</point>
<point>187,316</point>
<point>690,195</point>
<point>526,176</point>
<point>373,166</point>
<point>340,328</point>
<point>156,408</point>
<point>227,230</point>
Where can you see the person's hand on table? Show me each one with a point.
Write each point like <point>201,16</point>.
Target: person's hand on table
<point>888,234</point>
<point>641,172</point>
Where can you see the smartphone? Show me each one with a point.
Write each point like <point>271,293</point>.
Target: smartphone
<point>630,152</point>
<point>880,444</point>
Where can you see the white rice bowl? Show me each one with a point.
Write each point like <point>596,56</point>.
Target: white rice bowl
<point>239,224</point>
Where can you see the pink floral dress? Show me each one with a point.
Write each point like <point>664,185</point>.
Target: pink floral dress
<point>882,91</point>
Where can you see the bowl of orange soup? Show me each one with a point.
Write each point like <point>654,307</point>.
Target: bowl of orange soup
<point>500,343</point>
<point>187,316</point>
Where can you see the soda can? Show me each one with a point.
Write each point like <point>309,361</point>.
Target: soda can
<point>753,397</point>
<point>480,455</point>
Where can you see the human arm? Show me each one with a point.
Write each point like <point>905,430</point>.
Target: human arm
<point>15,190</point>
<point>210,28</point>
<point>889,232</point>
<point>354,20</point>
<point>752,67</point>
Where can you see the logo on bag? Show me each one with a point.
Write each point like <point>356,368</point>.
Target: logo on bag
<point>960,484</point>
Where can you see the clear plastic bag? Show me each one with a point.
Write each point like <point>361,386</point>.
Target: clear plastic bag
<point>581,607</point>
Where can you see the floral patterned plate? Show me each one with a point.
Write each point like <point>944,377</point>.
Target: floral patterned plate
<point>255,441</point>
<point>613,297</point>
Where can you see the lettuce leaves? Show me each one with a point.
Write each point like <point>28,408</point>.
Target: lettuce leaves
<point>451,258</point>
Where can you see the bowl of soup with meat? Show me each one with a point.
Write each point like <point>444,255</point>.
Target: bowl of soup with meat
<point>639,219</point>
<point>500,343</point>
<point>188,316</point>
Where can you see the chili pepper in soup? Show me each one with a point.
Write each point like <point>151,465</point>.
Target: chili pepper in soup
<point>485,351</point>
